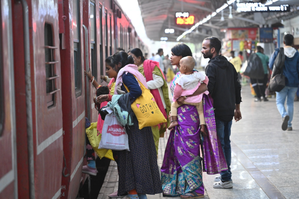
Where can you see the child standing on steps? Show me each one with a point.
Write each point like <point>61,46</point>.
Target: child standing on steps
<point>186,85</point>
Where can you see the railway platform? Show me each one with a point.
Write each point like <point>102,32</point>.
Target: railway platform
<point>264,158</point>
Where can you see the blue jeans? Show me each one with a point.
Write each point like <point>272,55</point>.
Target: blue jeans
<point>223,132</point>
<point>290,93</point>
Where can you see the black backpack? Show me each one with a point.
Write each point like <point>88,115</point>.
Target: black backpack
<point>277,81</point>
<point>279,62</point>
<point>254,69</point>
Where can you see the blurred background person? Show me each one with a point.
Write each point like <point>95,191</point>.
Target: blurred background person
<point>168,68</point>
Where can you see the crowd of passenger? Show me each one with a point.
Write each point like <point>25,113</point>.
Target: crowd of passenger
<point>199,117</point>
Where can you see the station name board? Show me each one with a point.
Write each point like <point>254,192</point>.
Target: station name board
<point>183,18</point>
<point>259,7</point>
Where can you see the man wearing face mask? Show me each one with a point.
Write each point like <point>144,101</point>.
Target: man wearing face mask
<point>225,89</point>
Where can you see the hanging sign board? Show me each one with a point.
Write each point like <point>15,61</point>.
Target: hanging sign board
<point>241,33</point>
<point>259,7</point>
<point>266,35</point>
<point>183,18</point>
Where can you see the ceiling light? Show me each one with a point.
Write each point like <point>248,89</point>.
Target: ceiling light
<point>222,18</point>
<point>169,31</point>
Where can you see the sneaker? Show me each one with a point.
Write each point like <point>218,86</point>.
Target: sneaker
<point>289,129</point>
<point>223,185</point>
<point>89,170</point>
<point>218,179</point>
<point>284,125</point>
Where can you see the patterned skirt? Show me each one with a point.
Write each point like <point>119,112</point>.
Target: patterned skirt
<point>138,168</point>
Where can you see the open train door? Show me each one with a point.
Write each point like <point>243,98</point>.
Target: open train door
<point>8,174</point>
<point>73,94</point>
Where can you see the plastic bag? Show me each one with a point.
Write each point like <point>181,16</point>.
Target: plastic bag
<point>94,138</point>
<point>114,135</point>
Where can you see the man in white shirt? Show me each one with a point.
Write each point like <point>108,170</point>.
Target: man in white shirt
<point>159,59</point>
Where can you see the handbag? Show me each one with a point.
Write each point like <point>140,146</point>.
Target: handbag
<point>114,135</point>
<point>94,138</point>
<point>277,83</point>
<point>146,109</point>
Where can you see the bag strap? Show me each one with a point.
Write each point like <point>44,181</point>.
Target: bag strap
<point>282,49</point>
<point>142,87</point>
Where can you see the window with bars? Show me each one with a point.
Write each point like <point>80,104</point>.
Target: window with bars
<point>77,52</point>
<point>1,84</point>
<point>50,66</point>
<point>92,19</point>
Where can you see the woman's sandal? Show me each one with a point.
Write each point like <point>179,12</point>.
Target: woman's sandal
<point>192,195</point>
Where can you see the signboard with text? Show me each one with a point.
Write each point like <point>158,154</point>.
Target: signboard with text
<point>259,7</point>
<point>266,35</point>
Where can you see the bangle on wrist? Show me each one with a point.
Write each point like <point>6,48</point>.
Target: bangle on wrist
<point>92,80</point>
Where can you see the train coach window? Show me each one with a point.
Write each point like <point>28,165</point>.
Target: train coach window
<point>1,85</point>
<point>77,52</point>
<point>50,65</point>
<point>101,42</point>
<point>92,19</point>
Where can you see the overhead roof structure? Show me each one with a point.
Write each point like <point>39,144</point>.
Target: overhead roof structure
<point>159,15</point>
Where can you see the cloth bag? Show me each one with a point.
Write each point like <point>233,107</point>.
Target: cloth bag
<point>94,138</point>
<point>146,109</point>
<point>114,135</point>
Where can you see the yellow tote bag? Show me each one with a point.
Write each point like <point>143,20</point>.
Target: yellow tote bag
<point>94,138</point>
<point>146,108</point>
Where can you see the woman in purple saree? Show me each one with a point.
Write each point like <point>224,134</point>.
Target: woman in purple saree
<point>181,171</point>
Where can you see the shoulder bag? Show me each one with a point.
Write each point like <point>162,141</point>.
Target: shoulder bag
<point>146,109</point>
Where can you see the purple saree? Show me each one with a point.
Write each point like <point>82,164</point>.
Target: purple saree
<point>181,171</point>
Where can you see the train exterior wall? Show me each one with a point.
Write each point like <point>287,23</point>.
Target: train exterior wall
<point>8,174</point>
<point>73,99</point>
<point>60,96</point>
<point>47,105</point>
